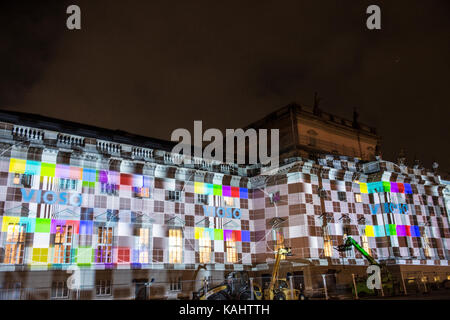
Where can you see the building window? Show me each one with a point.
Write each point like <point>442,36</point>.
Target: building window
<point>175,245</point>
<point>342,196</point>
<point>109,189</point>
<point>231,251</point>
<point>103,288</point>
<point>176,285</point>
<point>327,242</point>
<point>173,195</point>
<point>63,244</point>
<point>11,291</point>
<point>426,246</point>
<point>15,243</point>
<point>205,248</point>
<point>365,243</point>
<point>68,184</point>
<point>104,245</point>
<point>202,199</point>
<point>228,201</point>
<point>358,197</point>
<point>59,290</point>
<point>25,180</point>
<point>141,192</point>
<point>144,245</point>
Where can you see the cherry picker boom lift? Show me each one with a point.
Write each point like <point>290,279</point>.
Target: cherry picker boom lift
<point>389,284</point>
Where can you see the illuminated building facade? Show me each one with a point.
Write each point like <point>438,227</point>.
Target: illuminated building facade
<point>118,208</point>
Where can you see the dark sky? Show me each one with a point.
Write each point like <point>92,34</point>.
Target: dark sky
<point>149,67</point>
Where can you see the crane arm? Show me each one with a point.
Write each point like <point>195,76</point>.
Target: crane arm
<point>351,242</point>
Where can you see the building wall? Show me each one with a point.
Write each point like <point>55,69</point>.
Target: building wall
<point>303,200</point>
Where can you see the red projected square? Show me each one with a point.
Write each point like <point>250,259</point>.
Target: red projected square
<point>126,179</point>
<point>235,192</point>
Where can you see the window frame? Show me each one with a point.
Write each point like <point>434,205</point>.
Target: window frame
<point>66,244</point>
<point>17,242</point>
<point>175,245</point>
<point>106,245</point>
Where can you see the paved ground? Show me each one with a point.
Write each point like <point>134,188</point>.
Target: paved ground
<point>434,295</point>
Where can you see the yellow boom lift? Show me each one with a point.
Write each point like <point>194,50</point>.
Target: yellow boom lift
<point>278,288</point>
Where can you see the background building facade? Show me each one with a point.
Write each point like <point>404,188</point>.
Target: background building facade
<point>117,209</point>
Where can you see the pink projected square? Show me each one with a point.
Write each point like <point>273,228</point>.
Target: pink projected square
<point>76,173</point>
<point>62,171</point>
<point>113,177</point>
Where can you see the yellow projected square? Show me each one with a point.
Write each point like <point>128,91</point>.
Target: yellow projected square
<point>369,231</point>
<point>17,166</point>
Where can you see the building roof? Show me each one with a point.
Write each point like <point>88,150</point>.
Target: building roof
<point>69,127</point>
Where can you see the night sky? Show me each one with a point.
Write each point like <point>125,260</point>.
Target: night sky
<point>149,67</point>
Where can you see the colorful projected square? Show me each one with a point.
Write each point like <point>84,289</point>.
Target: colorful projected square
<point>103,176</point>
<point>408,188</point>
<point>379,231</point>
<point>243,193</point>
<point>387,186</point>
<point>235,192</point>
<point>33,167</point>
<point>198,187</point>
<point>17,165</point>
<point>228,235</point>
<point>198,233</point>
<point>226,191</point>
<point>48,169</point>
<point>375,187</point>
<point>392,230</point>
<point>369,231</point>
<point>42,225</point>
<point>245,236</point>
<point>401,231</point>
<point>123,255</point>
<point>7,221</point>
<point>394,187</point>
<point>86,227</point>
<point>85,256</point>
<point>89,175</point>
<point>209,189</point>
<point>208,233</point>
<point>218,234</point>
<point>217,190</point>
<point>62,171</point>
<point>408,230</point>
<point>415,231</point>
<point>147,181</point>
<point>126,179</point>
<point>236,235</point>
<point>76,173</point>
<point>400,187</point>
<point>363,187</point>
<point>40,255</point>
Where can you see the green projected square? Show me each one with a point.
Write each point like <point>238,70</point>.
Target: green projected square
<point>387,186</point>
<point>42,225</point>
<point>217,190</point>
<point>48,169</point>
<point>91,184</point>
<point>85,256</point>
<point>218,234</point>
<point>392,230</point>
